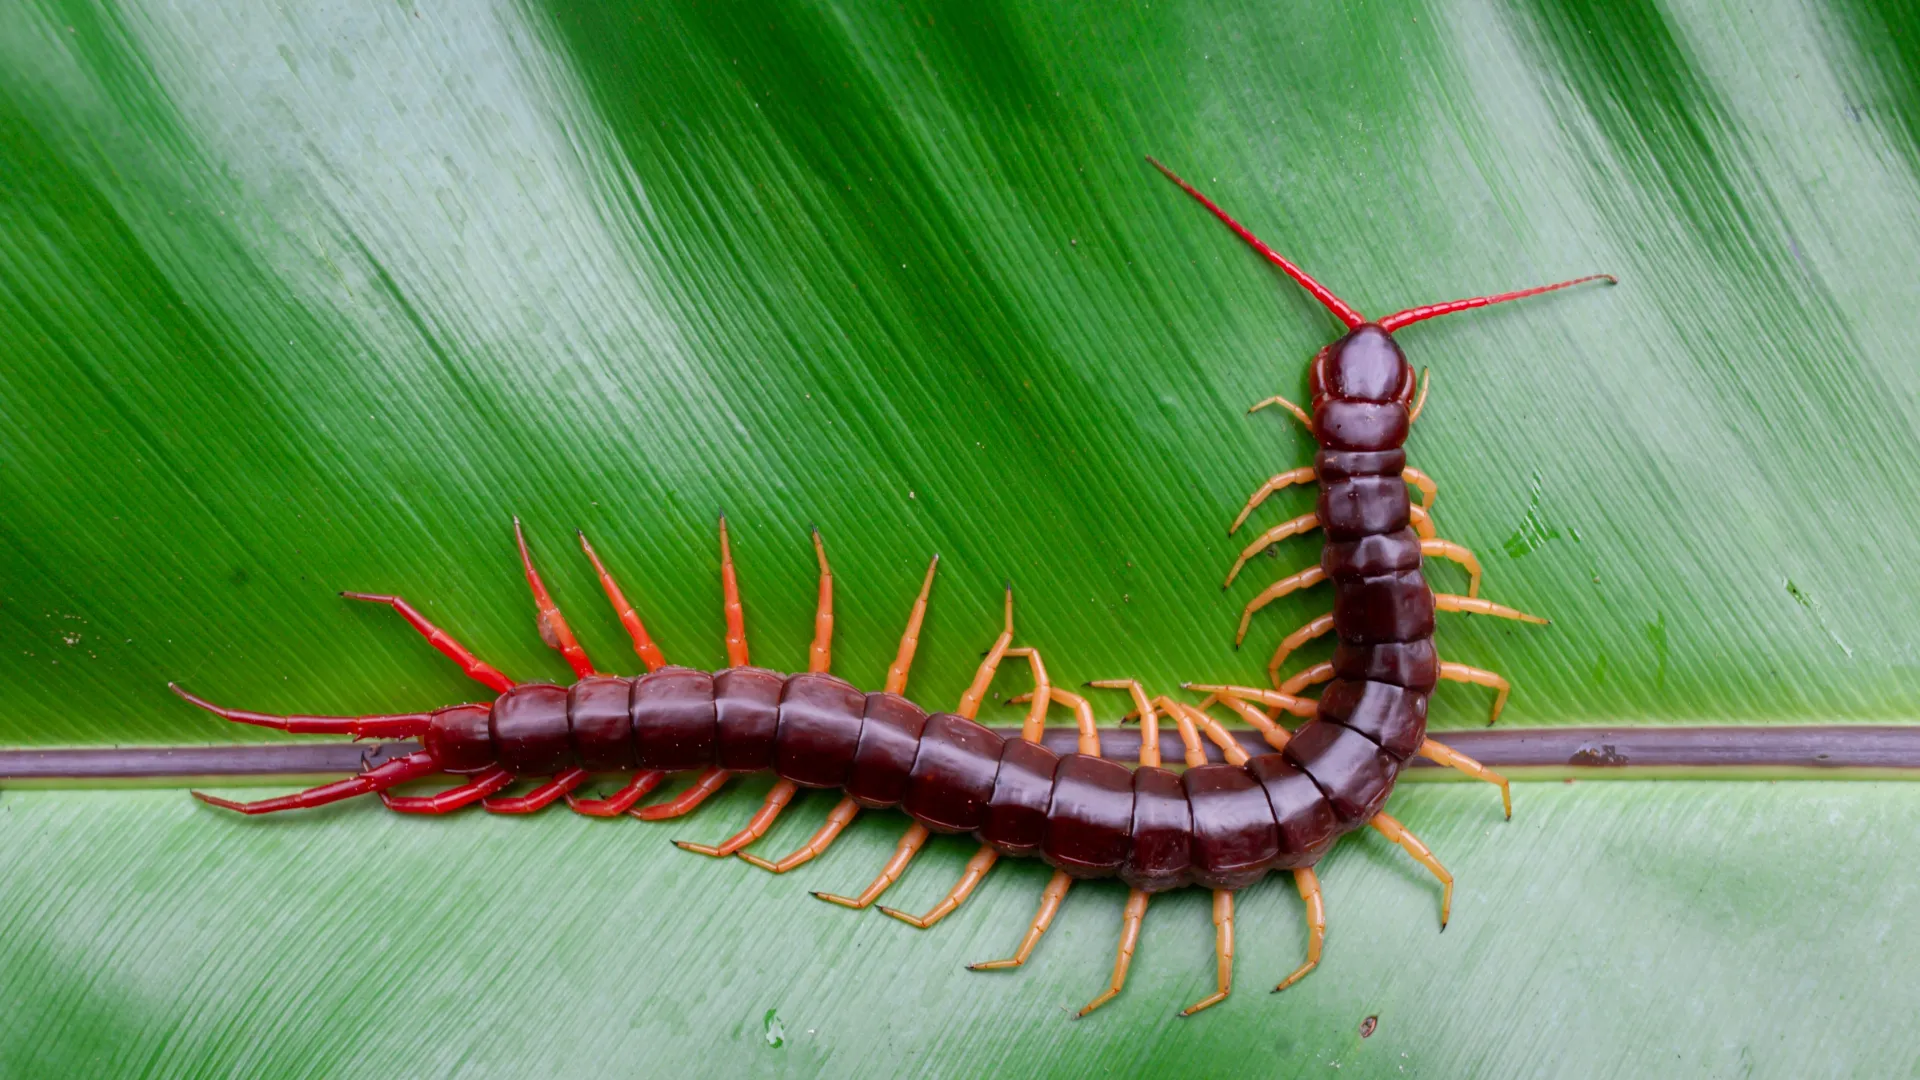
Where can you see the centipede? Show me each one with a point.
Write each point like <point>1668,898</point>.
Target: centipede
<point>1155,827</point>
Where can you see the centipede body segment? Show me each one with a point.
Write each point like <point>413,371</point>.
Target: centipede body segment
<point>1222,827</point>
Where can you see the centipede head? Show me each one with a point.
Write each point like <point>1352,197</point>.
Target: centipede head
<point>1365,365</point>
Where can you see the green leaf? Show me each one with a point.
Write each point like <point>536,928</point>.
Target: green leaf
<point>296,299</point>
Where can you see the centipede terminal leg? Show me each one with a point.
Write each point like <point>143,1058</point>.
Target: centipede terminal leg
<point>1050,899</point>
<point>379,778</point>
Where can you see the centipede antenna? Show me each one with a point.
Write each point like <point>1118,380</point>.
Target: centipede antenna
<point>1433,311</point>
<point>1340,308</point>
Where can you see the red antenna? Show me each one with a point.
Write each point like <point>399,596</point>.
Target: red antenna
<point>1341,310</point>
<point>1433,311</point>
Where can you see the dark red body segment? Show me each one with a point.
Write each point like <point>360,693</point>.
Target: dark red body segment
<point>1161,856</point>
<point>1090,819</point>
<point>1017,813</point>
<point>746,717</point>
<point>673,719</point>
<point>602,725</point>
<point>952,778</point>
<point>820,718</point>
<point>529,729</point>
<point>1235,839</point>
<point>883,760</point>
<point>460,738</point>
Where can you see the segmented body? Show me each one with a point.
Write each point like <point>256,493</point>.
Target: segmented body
<point>1218,826</point>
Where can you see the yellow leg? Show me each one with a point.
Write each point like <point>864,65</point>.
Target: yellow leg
<point>776,801</point>
<point>1082,711</point>
<point>1276,736</point>
<point>1142,708</point>
<point>1429,490</point>
<point>903,853</point>
<point>1196,751</point>
<point>730,603</point>
<point>1454,759</point>
<point>1129,940</point>
<point>1305,579</point>
<point>1398,833</point>
<point>1230,747</point>
<point>1309,885</point>
<point>838,818</point>
<point>1287,405</point>
<point>910,640</point>
<point>1302,475</point>
<point>1284,702</point>
<point>1303,523</point>
<point>1222,951</point>
<point>977,868</point>
<point>820,656</point>
<point>1050,898</point>
<point>970,701</point>
<point>1447,549</point>
<point>1312,676</point>
<point>1471,606</point>
<point>1421,521</point>
<point>1462,673</point>
<point>1426,382</point>
<point>1293,641</point>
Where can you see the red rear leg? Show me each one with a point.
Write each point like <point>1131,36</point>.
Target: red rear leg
<point>620,801</point>
<point>643,645</point>
<point>539,798</point>
<point>476,668</point>
<point>704,785</point>
<point>478,787</point>
<point>378,778</point>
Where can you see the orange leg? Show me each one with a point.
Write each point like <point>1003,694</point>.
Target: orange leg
<point>1050,898</point>
<point>1194,749</point>
<point>477,669</point>
<point>1426,382</point>
<point>643,645</point>
<point>1280,700</point>
<point>977,868</point>
<point>539,798</point>
<point>704,785</point>
<point>553,625</point>
<point>1230,748</point>
<point>1454,759</point>
<point>1040,697</point>
<point>902,854</point>
<point>1222,951</point>
<point>1301,475</point>
<point>1305,579</point>
<point>910,639</point>
<point>1287,405</point>
<point>1309,885</point>
<point>730,603</point>
<point>1312,676</point>
<point>1478,677</point>
<point>1142,708</point>
<point>820,657</point>
<point>1421,521</point>
<point>1447,549</point>
<point>1230,696</point>
<point>1136,911</point>
<point>776,801</point>
<point>620,801</point>
<point>838,818</point>
<point>1082,712</point>
<point>1301,524</point>
<point>982,678</point>
<point>1398,833</point>
<point>1429,491</point>
<point>1293,641</point>
<point>1471,606</point>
